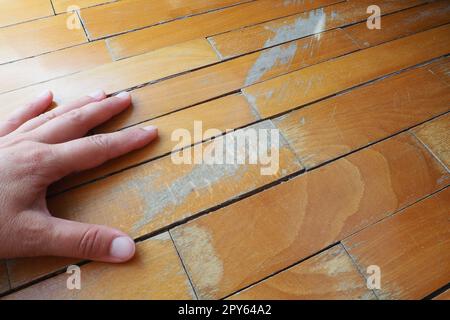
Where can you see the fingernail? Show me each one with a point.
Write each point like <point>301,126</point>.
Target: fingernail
<point>122,248</point>
<point>123,95</point>
<point>44,94</point>
<point>98,94</point>
<point>150,128</point>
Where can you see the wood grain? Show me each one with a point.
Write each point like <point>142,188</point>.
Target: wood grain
<point>328,275</point>
<point>341,124</point>
<point>204,84</point>
<point>401,24</point>
<point>209,24</point>
<point>319,81</point>
<point>4,281</point>
<point>155,273</point>
<point>52,65</point>
<point>152,196</point>
<point>436,136</point>
<point>121,16</point>
<point>274,32</point>
<point>37,37</point>
<point>12,12</point>
<point>412,249</point>
<point>442,70</point>
<point>237,245</point>
<point>118,75</point>
<point>218,115</point>
<point>63,5</point>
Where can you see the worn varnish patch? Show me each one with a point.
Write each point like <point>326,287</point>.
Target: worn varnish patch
<point>154,273</point>
<point>273,229</point>
<point>341,124</point>
<point>412,249</point>
<point>150,197</point>
<point>4,281</point>
<point>319,81</point>
<point>401,24</point>
<point>436,136</point>
<point>204,84</point>
<point>208,24</point>
<point>282,30</point>
<point>328,275</point>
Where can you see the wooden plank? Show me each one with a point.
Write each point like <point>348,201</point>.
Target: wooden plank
<point>121,16</point>
<point>274,32</point>
<point>436,136</point>
<point>205,84</point>
<point>118,75</point>
<point>53,65</point>
<point>402,23</point>
<point>413,242</point>
<point>142,199</point>
<point>4,280</point>
<point>219,114</point>
<point>443,296</point>
<point>319,81</point>
<point>12,12</point>
<point>328,275</point>
<point>37,37</point>
<point>442,70</point>
<point>209,24</point>
<point>63,5</point>
<point>341,124</point>
<point>235,246</point>
<point>155,273</point>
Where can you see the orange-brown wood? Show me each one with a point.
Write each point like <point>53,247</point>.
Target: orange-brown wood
<point>310,84</point>
<point>328,275</point>
<point>4,280</point>
<point>238,245</point>
<point>274,32</point>
<point>67,5</point>
<point>436,136</point>
<point>341,124</point>
<point>154,273</point>
<point>411,248</point>
<point>150,197</point>
<point>122,16</point>
<point>402,23</point>
<point>209,24</point>
<point>37,37</point>
<point>53,65</point>
<point>204,84</point>
<point>12,12</point>
<point>442,70</point>
<point>118,75</point>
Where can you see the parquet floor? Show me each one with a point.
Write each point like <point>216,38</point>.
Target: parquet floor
<point>363,168</point>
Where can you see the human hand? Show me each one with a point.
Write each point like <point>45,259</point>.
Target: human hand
<point>37,149</point>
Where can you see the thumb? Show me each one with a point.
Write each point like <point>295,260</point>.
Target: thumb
<point>88,241</point>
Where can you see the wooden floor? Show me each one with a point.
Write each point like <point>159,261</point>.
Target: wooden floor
<point>364,170</point>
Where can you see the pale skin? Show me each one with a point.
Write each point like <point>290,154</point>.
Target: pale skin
<point>39,147</point>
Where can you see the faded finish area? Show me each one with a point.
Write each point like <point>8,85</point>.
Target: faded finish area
<point>361,116</point>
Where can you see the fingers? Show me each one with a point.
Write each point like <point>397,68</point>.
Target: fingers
<point>92,151</point>
<point>87,241</point>
<point>96,96</point>
<point>76,123</point>
<point>19,117</point>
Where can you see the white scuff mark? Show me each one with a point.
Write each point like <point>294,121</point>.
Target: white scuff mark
<point>303,26</point>
<point>268,59</point>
